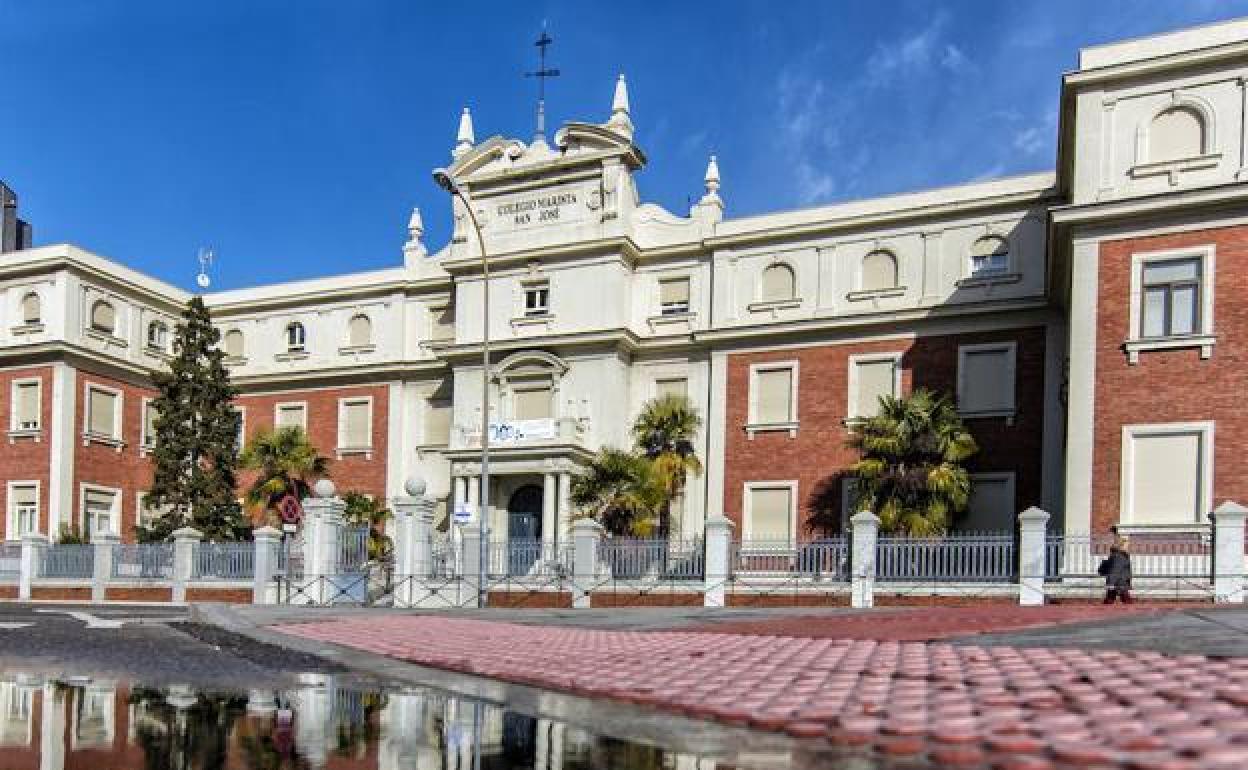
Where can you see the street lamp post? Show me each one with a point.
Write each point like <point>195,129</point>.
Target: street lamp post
<point>445,181</point>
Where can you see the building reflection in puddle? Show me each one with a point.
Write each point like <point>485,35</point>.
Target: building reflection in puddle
<point>82,724</point>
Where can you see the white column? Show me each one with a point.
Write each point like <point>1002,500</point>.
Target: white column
<point>52,739</point>
<point>413,546</point>
<point>865,529</point>
<point>184,541</point>
<point>61,494</point>
<point>1032,527</point>
<point>322,534</point>
<point>1077,512</point>
<point>33,544</point>
<point>103,564</point>
<point>716,567</point>
<point>470,558</point>
<point>549,501</point>
<point>1243,129</point>
<point>1228,554</point>
<point>586,534</point>
<point>563,512</point>
<point>461,490</point>
<point>267,540</point>
<point>474,496</point>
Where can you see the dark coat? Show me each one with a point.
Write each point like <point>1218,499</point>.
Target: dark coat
<point>1119,575</point>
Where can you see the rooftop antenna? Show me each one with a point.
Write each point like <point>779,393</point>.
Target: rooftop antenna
<point>541,74</point>
<point>206,257</point>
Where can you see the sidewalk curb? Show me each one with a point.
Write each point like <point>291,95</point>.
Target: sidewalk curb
<point>600,716</point>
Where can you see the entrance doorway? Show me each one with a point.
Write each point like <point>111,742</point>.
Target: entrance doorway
<point>524,529</point>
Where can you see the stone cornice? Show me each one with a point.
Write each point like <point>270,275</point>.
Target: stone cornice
<point>1197,58</point>
<point>1102,212</point>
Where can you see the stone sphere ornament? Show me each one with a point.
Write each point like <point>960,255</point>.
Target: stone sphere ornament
<point>415,487</point>
<point>324,489</point>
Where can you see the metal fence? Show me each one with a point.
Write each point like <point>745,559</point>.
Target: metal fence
<point>353,548</point>
<point>67,561</point>
<point>529,557</point>
<point>290,557</point>
<point>957,558</point>
<point>826,557</point>
<point>223,561</point>
<point>10,561</point>
<point>1188,557</point>
<point>652,558</point>
<point>142,561</point>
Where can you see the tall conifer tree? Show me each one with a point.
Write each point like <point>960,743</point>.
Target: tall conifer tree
<point>196,438</point>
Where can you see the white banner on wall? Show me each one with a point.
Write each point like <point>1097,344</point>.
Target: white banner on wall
<point>513,431</point>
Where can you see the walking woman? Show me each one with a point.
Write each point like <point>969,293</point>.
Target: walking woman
<point>1117,570</point>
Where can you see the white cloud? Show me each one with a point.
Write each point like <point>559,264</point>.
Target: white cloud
<point>1030,141</point>
<point>916,53</point>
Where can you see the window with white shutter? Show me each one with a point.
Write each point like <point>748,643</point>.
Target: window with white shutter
<point>292,415</point>
<point>879,271</point>
<point>778,283</point>
<point>1167,470</point>
<point>103,317</point>
<point>26,405</point>
<point>99,512</point>
<point>359,332</point>
<point>23,509</point>
<point>532,404</point>
<point>355,431</point>
<point>674,386</point>
<point>773,396</point>
<point>674,296</point>
<point>769,514</point>
<point>102,418</point>
<point>32,311</point>
<point>232,344</point>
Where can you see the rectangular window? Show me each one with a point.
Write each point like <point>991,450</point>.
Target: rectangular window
<point>1170,304</point>
<point>675,386</point>
<point>674,296</point>
<point>773,395</point>
<point>355,423</point>
<point>870,377</point>
<point>537,299</point>
<point>99,512</point>
<point>532,404</point>
<point>438,422</point>
<point>23,509</point>
<point>102,413</point>
<point>148,439</point>
<point>27,405</point>
<point>991,507</point>
<point>292,415</point>
<point>1167,474</point>
<point>93,719</point>
<point>986,379</point>
<point>241,411</point>
<point>769,513</point>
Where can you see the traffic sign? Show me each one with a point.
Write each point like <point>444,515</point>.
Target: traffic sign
<point>462,514</point>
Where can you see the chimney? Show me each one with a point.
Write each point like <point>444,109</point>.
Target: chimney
<point>15,233</point>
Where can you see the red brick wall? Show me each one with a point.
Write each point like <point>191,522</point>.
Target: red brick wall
<point>1171,385</point>
<point>358,473</point>
<point>107,466</point>
<point>819,449</point>
<point>25,459</point>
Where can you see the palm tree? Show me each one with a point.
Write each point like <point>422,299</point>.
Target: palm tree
<point>365,511</point>
<point>619,489</point>
<point>664,433</point>
<point>911,471</point>
<point>287,464</point>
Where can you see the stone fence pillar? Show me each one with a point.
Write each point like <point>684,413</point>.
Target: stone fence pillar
<point>413,544</point>
<point>716,567</point>
<point>865,530</point>
<point>33,545</point>
<point>184,542</point>
<point>1033,530</point>
<point>470,566</point>
<point>264,569</point>
<point>586,535</point>
<point>322,536</point>
<point>1228,553</point>
<point>102,560</point>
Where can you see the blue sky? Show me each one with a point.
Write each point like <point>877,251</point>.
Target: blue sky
<point>294,137</point>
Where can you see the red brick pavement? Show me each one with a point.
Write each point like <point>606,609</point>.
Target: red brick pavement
<point>957,706</point>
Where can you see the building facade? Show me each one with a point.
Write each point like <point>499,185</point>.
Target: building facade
<point>1085,320</point>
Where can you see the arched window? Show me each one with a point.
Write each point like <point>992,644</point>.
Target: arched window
<point>359,331</point>
<point>990,254</point>
<point>1176,133</point>
<point>232,343</point>
<point>879,271</point>
<point>157,335</point>
<point>778,283</point>
<point>296,338</point>
<point>103,317</point>
<point>30,308</point>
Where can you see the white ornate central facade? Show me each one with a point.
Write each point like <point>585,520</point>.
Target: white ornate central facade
<point>781,328</point>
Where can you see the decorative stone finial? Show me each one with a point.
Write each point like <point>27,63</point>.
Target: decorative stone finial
<point>465,139</point>
<point>324,489</point>
<point>415,486</point>
<point>414,249</point>
<point>710,207</point>
<point>620,118</point>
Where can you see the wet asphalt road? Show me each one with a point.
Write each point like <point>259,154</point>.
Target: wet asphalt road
<point>151,645</point>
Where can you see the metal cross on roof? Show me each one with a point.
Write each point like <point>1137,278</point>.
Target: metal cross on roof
<point>542,72</point>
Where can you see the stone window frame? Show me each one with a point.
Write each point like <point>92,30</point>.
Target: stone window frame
<point>146,443</point>
<point>537,287</point>
<point>898,288</point>
<point>365,347</point>
<point>1130,432</point>
<point>343,449</point>
<point>1010,347</point>
<point>27,325</point>
<point>852,378</point>
<point>1205,339</point>
<point>296,333</point>
<point>1209,157</point>
<point>116,492</point>
<point>752,425</point>
<point>161,345</point>
<point>115,441</point>
<point>675,310</point>
<point>106,695</point>
<point>762,304</point>
<point>15,429</point>
<point>242,426</point>
<point>241,358</point>
<point>10,507</point>
<point>747,523</point>
<point>277,411</point>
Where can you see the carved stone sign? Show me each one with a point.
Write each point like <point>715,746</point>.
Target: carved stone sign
<point>548,207</point>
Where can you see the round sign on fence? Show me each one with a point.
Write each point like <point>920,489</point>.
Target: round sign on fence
<point>290,509</point>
